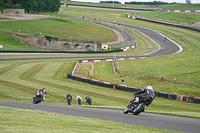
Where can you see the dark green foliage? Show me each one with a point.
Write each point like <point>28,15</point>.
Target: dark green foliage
<point>116,2</point>
<point>147,3</point>
<point>32,5</point>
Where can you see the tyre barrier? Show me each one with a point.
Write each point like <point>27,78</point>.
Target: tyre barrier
<point>134,89</point>
<point>124,87</point>
<point>102,83</point>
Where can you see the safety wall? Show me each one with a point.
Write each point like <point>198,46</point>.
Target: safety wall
<point>124,87</point>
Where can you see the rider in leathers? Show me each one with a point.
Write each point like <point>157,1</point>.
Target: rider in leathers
<point>69,96</point>
<point>146,92</point>
<point>78,98</point>
<point>43,90</point>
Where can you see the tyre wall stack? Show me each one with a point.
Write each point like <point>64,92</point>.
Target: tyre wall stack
<point>126,88</point>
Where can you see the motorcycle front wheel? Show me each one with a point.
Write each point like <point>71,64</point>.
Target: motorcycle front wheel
<point>126,111</point>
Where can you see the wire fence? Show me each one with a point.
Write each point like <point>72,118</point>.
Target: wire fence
<point>156,77</point>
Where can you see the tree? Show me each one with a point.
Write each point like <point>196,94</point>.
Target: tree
<point>32,5</point>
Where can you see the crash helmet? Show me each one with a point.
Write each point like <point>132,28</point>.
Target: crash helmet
<point>150,88</point>
<point>44,89</point>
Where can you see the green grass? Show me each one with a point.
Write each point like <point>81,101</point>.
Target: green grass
<point>188,39</point>
<point>61,27</point>
<point>19,80</point>
<point>25,77</point>
<point>11,44</point>
<point>22,120</point>
<point>179,17</point>
<point>176,66</point>
<point>180,7</point>
<point>104,71</point>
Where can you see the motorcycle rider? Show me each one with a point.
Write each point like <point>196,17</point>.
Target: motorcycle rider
<point>78,98</point>
<point>69,96</point>
<point>87,98</point>
<point>43,90</point>
<point>146,92</point>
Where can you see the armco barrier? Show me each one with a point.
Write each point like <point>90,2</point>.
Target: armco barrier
<point>13,51</point>
<point>126,88</point>
<point>191,28</point>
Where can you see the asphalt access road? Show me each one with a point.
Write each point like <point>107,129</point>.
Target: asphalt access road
<point>175,123</point>
<point>166,47</point>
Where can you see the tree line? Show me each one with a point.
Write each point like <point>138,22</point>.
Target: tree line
<point>31,6</point>
<point>116,2</point>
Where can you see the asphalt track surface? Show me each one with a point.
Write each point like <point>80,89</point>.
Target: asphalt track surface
<point>174,123</point>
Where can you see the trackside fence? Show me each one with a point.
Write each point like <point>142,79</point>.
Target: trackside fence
<point>124,87</point>
<point>156,77</point>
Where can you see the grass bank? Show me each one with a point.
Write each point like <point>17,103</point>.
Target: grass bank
<point>60,27</point>
<point>21,120</point>
<point>183,62</point>
<point>104,71</point>
<point>180,7</point>
<point>20,79</point>
<point>179,17</point>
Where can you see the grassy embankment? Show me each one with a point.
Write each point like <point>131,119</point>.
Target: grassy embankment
<point>175,65</point>
<point>178,17</point>
<point>23,77</point>
<point>188,39</point>
<point>21,120</point>
<point>180,7</point>
<point>20,79</point>
<point>58,27</point>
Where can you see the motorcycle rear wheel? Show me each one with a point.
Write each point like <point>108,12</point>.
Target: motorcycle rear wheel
<point>36,100</point>
<point>139,109</point>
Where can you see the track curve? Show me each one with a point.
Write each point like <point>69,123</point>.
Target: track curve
<point>158,121</point>
<point>166,47</point>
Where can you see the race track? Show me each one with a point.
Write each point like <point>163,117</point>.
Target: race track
<point>175,123</point>
<point>167,122</point>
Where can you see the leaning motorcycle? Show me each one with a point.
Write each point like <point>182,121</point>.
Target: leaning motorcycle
<point>89,101</point>
<point>137,107</point>
<point>79,101</point>
<point>69,100</point>
<point>37,98</point>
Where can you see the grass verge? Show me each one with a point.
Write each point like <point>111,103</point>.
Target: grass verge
<point>21,120</point>
<point>20,79</point>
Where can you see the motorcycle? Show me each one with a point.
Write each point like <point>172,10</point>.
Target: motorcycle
<point>79,101</point>
<point>89,101</point>
<point>69,100</point>
<point>38,97</point>
<point>137,107</point>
